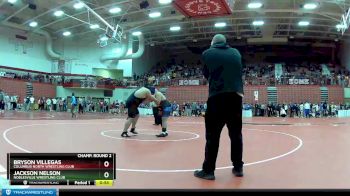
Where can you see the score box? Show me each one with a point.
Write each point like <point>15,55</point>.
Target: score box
<point>60,168</point>
<point>104,182</point>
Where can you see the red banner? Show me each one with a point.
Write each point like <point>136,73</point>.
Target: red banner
<point>203,8</point>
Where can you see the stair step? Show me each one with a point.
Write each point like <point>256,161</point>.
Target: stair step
<point>29,91</point>
<point>272,94</point>
<point>324,94</point>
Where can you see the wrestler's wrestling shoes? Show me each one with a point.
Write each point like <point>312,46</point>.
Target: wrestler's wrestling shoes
<point>125,134</point>
<point>163,134</point>
<point>133,131</point>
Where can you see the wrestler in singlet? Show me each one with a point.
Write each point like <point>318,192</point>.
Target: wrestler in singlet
<point>164,110</point>
<point>134,100</point>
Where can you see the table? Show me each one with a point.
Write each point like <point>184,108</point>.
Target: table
<point>343,113</point>
<point>247,113</point>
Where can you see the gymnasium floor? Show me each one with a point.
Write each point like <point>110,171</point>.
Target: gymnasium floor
<point>279,153</point>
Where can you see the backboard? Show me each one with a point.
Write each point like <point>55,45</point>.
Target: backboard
<point>115,34</point>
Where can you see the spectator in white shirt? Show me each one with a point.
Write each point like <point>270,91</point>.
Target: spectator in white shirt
<point>48,104</point>
<point>307,109</point>
<point>32,99</point>
<point>54,104</point>
<point>283,113</point>
<point>7,100</point>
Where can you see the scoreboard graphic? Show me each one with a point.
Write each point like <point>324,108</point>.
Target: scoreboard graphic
<point>75,169</point>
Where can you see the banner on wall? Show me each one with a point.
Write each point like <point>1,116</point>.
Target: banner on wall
<point>188,82</point>
<point>299,81</point>
<point>88,84</point>
<point>256,95</point>
<point>278,70</point>
<point>61,66</point>
<point>7,75</point>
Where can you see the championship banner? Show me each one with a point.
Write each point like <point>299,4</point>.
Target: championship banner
<point>189,82</point>
<point>299,81</point>
<point>203,8</point>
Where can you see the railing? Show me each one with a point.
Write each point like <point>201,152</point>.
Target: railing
<point>267,81</point>
<point>183,82</point>
<point>88,84</point>
<point>321,81</point>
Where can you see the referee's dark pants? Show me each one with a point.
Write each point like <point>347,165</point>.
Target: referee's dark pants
<point>157,118</point>
<point>223,109</point>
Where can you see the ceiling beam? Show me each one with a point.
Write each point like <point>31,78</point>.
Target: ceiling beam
<point>139,24</point>
<point>202,27</point>
<point>17,12</point>
<point>344,3</point>
<point>247,30</point>
<point>231,37</point>
<point>119,15</point>
<point>243,24</point>
<point>330,14</point>
<point>234,19</point>
<point>2,2</point>
<point>83,12</point>
<point>48,11</point>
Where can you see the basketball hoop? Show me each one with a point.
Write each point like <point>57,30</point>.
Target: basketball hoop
<point>112,32</point>
<point>115,34</point>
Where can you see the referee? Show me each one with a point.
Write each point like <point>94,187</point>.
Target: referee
<point>223,70</point>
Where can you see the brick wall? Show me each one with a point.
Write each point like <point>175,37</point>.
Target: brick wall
<point>285,93</point>
<point>298,93</point>
<point>19,88</point>
<point>13,87</point>
<point>182,94</point>
<point>44,90</point>
<point>249,94</point>
<point>335,94</point>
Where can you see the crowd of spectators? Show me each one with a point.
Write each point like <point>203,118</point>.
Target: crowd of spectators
<point>265,74</point>
<point>59,104</point>
<point>293,110</point>
<point>170,73</point>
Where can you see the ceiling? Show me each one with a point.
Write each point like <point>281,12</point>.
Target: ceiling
<point>281,19</point>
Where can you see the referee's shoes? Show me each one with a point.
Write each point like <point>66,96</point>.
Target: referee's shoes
<point>204,175</point>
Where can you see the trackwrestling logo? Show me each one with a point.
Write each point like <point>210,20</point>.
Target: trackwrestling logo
<point>29,192</point>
